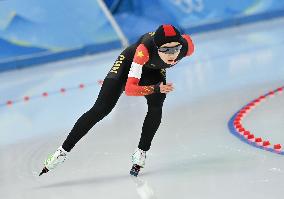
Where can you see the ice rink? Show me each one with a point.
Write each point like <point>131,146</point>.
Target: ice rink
<point>193,156</point>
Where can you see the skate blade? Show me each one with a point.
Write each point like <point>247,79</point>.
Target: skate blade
<point>134,173</point>
<point>44,170</point>
<point>135,170</point>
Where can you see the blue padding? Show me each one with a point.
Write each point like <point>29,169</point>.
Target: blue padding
<point>147,25</point>
<point>90,49</point>
<point>235,21</point>
<point>127,20</point>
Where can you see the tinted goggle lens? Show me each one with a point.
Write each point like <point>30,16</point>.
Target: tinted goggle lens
<point>170,50</point>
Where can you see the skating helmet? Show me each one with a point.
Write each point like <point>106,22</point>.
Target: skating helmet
<point>165,34</point>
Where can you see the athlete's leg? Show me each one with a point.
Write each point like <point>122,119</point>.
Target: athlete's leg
<point>152,120</point>
<point>108,97</point>
<point>111,90</point>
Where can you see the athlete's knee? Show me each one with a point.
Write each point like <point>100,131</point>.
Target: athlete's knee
<point>100,110</point>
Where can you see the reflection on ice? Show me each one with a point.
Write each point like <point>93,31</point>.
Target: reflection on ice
<point>144,190</point>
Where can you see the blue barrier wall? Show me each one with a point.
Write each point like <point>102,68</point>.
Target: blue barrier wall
<point>39,31</point>
<point>190,15</point>
<point>32,31</point>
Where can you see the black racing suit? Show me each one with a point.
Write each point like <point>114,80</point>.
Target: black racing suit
<point>154,72</point>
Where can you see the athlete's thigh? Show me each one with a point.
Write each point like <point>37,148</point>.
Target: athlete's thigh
<point>110,92</point>
<point>156,99</point>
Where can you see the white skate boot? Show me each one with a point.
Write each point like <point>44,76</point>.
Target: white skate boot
<point>54,160</point>
<point>138,160</point>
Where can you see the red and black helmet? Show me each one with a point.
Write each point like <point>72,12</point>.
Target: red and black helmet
<point>165,34</point>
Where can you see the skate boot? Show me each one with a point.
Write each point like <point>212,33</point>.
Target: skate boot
<point>54,160</point>
<point>138,160</point>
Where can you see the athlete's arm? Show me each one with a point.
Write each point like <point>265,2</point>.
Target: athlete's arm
<point>132,87</point>
<point>189,44</point>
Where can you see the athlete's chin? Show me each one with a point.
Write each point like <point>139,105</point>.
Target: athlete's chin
<point>171,62</point>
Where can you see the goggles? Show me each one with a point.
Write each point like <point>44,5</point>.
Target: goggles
<point>170,50</point>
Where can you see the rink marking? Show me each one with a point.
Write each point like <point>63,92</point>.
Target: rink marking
<point>45,94</point>
<point>237,129</point>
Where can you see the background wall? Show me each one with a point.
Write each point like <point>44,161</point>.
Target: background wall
<point>37,31</point>
<point>189,15</point>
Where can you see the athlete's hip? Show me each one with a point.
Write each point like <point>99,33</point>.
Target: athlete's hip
<point>122,65</point>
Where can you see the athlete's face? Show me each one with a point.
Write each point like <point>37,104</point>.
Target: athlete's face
<point>169,58</point>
